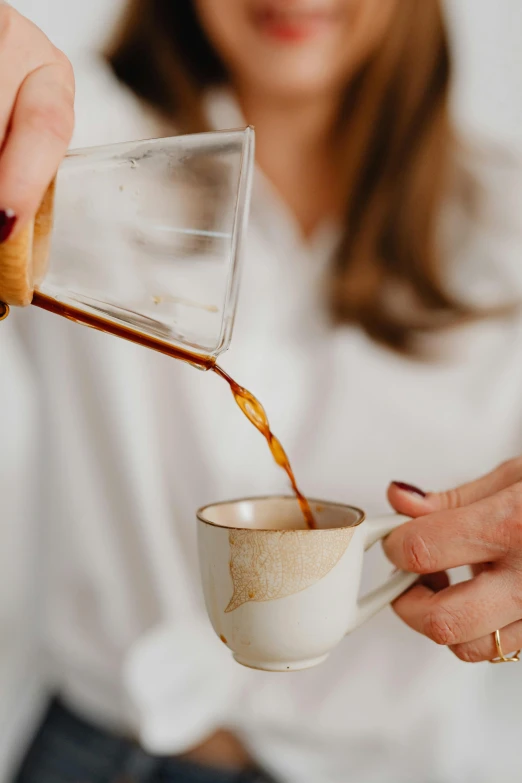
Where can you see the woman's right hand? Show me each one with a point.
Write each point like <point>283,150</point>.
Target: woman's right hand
<point>36,118</point>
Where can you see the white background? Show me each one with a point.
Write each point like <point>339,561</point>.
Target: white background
<point>487,36</point>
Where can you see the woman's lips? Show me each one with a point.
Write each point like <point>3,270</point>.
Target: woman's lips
<point>292,26</point>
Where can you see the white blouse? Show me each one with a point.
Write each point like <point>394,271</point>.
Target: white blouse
<point>107,450</point>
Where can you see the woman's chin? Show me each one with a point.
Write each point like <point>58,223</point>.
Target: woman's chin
<point>291,87</point>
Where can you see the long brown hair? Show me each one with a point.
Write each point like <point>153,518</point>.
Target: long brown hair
<point>396,147</point>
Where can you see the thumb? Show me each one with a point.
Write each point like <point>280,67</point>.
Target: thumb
<point>410,500</point>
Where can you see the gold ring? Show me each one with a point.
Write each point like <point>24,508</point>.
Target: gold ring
<point>501,657</point>
<point>4,311</point>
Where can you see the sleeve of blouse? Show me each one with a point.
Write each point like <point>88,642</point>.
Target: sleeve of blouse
<point>183,685</point>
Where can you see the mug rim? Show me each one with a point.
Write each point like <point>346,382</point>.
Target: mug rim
<point>201,511</point>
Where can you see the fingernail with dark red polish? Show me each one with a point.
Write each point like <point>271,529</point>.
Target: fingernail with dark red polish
<point>7,223</point>
<point>409,488</point>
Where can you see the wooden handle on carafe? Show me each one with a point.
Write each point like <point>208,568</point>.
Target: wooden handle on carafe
<point>24,258</point>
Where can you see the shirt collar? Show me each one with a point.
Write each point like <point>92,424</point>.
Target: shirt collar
<point>223,113</point>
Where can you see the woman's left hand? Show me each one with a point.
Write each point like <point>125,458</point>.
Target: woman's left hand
<point>478,524</point>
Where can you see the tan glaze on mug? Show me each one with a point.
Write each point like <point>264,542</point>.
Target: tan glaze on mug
<point>282,596</point>
<point>24,257</point>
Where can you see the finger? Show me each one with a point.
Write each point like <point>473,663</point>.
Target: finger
<point>479,533</point>
<point>41,128</point>
<point>410,500</point>
<point>485,649</point>
<point>409,605</point>
<point>463,612</point>
<point>434,582</point>
<point>23,48</point>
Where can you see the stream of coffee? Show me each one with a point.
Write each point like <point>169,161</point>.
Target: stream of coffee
<point>246,401</point>
<point>255,413</point>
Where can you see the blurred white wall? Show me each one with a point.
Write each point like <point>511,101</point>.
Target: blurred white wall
<point>72,25</point>
<point>487,37</point>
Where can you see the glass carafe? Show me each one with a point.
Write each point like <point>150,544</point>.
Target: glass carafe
<point>142,240</point>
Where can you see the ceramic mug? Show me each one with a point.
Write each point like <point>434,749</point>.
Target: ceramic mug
<point>282,596</point>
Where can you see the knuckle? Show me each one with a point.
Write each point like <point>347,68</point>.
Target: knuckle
<point>21,41</point>
<point>514,493</point>
<point>468,653</point>
<point>53,118</point>
<point>510,524</point>
<point>503,537</point>
<point>452,499</point>
<point>515,535</point>
<point>443,626</point>
<point>416,553</point>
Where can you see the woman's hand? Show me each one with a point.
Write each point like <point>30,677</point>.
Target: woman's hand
<point>221,751</point>
<point>36,117</point>
<point>477,524</point>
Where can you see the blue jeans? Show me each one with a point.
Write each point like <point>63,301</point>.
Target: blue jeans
<point>67,749</point>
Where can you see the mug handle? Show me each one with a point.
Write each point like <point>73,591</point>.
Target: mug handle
<point>376,529</point>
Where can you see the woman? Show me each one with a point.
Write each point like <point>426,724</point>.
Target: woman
<point>360,185</point>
